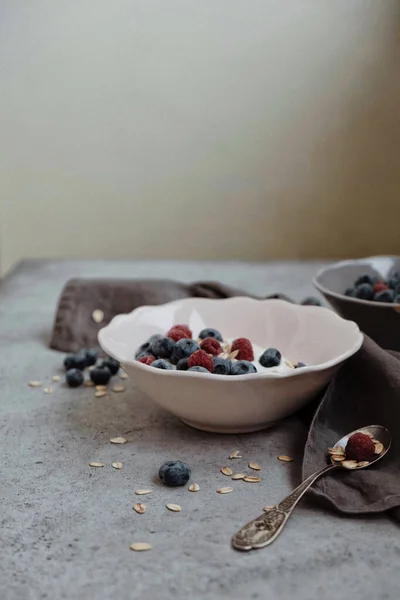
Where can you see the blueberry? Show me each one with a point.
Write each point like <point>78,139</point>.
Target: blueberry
<point>111,364</point>
<point>212,333</point>
<point>91,357</point>
<point>364,291</point>
<point>370,279</point>
<point>311,301</point>
<point>162,347</point>
<point>384,296</point>
<point>74,378</point>
<point>350,291</point>
<point>222,366</point>
<point>242,367</point>
<point>174,473</point>
<point>75,361</point>
<point>161,364</point>
<point>182,365</point>
<point>141,354</point>
<point>299,364</point>
<point>183,349</point>
<point>392,282</point>
<point>100,375</point>
<point>198,369</point>
<point>270,358</point>
<point>143,350</point>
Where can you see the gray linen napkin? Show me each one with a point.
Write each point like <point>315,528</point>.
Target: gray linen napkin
<point>365,391</point>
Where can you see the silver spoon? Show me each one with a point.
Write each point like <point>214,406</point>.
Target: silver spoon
<point>265,529</point>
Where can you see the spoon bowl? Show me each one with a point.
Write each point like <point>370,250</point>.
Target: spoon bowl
<point>378,432</point>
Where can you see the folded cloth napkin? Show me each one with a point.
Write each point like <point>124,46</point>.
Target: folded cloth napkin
<point>74,326</point>
<point>365,391</point>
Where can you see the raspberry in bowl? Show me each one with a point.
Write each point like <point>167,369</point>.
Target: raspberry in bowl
<point>276,357</point>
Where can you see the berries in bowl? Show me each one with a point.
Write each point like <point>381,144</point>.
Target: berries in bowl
<point>366,291</point>
<point>234,365</point>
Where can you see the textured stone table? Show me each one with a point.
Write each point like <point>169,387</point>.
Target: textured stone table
<point>66,528</point>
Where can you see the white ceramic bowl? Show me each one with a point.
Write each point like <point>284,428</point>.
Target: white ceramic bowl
<point>243,403</point>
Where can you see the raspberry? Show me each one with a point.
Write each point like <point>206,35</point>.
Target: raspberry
<point>360,447</point>
<point>211,346</point>
<point>245,349</point>
<point>201,359</point>
<point>184,328</point>
<point>177,334</point>
<point>379,286</point>
<point>147,360</point>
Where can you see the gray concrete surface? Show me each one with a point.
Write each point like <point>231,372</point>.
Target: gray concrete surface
<point>66,528</point>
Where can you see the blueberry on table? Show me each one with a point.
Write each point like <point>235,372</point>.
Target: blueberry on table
<point>111,364</point>
<point>174,473</point>
<point>75,361</point>
<point>161,364</point>
<point>384,296</point>
<point>370,279</point>
<point>270,358</point>
<point>198,369</point>
<point>183,349</point>
<point>364,291</point>
<point>242,367</point>
<point>74,378</point>
<point>212,333</point>
<point>182,365</point>
<point>311,301</point>
<point>91,357</point>
<point>162,347</point>
<point>222,366</point>
<point>100,375</point>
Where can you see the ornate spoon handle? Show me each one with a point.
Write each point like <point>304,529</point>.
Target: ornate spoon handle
<point>263,530</point>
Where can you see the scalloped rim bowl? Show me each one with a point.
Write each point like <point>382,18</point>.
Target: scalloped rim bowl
<point>236,404</point>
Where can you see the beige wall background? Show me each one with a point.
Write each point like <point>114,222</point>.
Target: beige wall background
<point>240,129</point>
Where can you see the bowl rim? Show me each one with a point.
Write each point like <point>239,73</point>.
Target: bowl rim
<point>354,261</point>
<point>102,338</point>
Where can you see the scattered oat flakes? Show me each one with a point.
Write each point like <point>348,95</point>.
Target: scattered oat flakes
<point>349,464</point>
<point>100,394</point>
<point>143,492</point>
<point>140,547</point>
<point>337,457</point>
<point>226,471</point>
<point>336,450</point>
<point>139,508</point>
<point>173,507</point>
<point>238,476</point>
<point>117,465</point>
<point>124,375</point>
<point>251,479</point>
<point>96,464</point>
<point>378,448</point>
<point>35,383</point>
<point>97,316</point>
<point>88,383</point>
<point>101,388</point>
<point>254,466</point>
<point>194,487</point>
<point>118,388</point>
<point>363,463</point>
<point>225,490</point>
<point>267,508</point>
<point>56,378</point>
<point>118,440</point>
<point>289,364</point>
<point>48,390</point>
<point>285,458</point>
<point>235,454</point>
